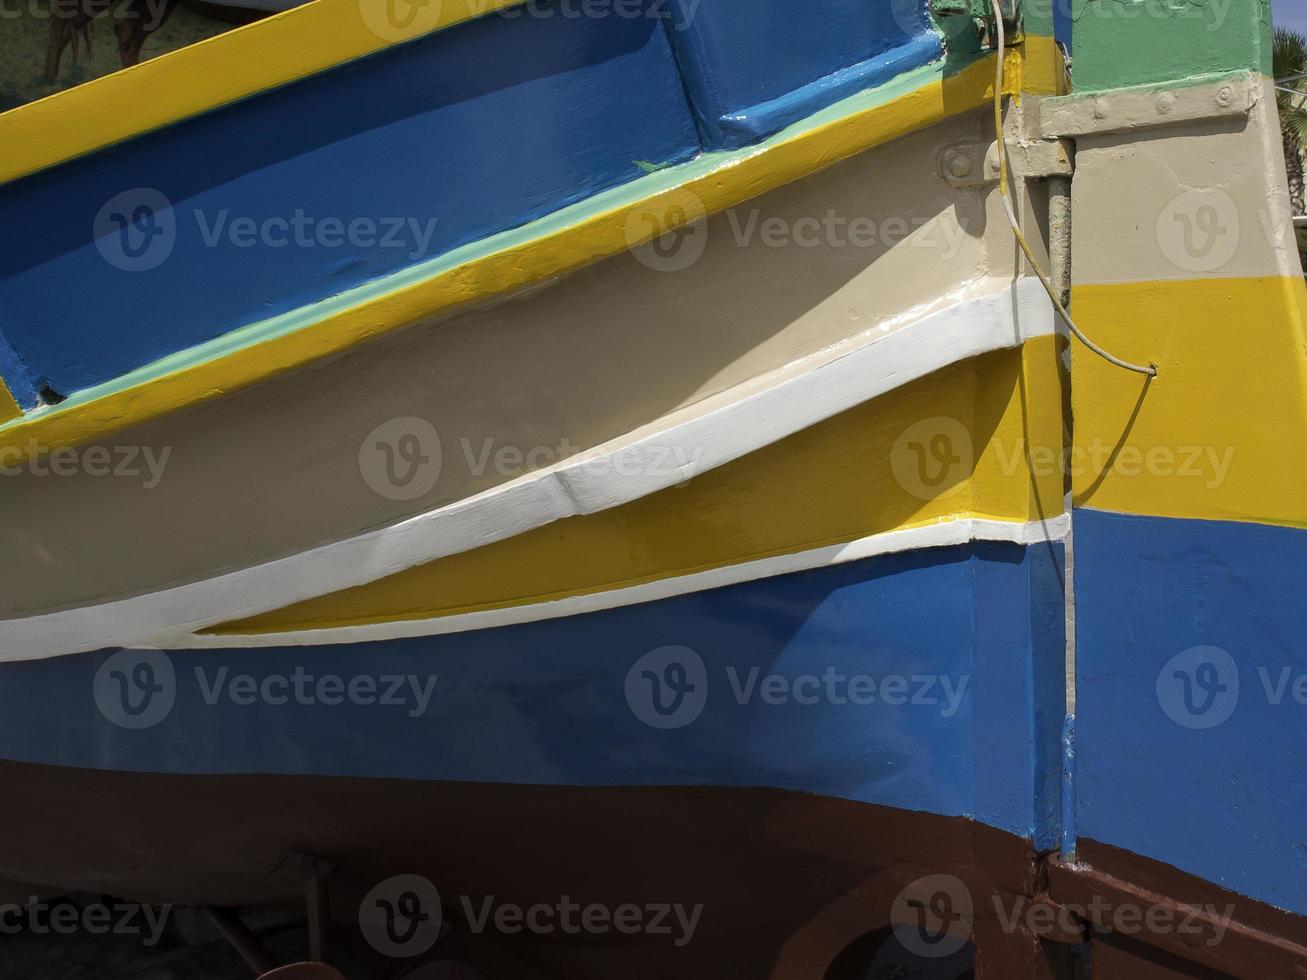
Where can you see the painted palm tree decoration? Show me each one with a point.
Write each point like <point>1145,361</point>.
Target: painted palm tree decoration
<point>1291,84</point>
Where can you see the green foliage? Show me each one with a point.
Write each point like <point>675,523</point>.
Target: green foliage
<point>1290,59</point>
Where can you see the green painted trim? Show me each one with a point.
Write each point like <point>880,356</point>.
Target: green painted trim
<point>1120,43</point>
<point>1037,17</point>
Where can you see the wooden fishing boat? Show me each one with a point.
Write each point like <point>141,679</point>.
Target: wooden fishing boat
<point>619,460</point>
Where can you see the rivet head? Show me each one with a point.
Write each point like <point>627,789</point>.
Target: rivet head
<point>1225,97</point>
<point>1165,102</point>
<point>959,164</point>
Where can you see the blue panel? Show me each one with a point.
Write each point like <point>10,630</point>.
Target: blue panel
<point>1020,670</point>
<point>1190,742</point>
<point>477,129</point>
<point>1062,22</point>
<point>753,67</point>
<point>17,378</point>
<point>853,681</point>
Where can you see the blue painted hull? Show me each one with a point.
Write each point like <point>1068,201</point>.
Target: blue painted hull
<point>254,210</point>
<point>861,682</point>
<point>1188,731</point>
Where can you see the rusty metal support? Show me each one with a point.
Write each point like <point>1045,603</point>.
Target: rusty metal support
<point>243,940</point>
<point>308,874</point>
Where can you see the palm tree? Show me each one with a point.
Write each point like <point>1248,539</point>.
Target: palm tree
<point>1290,70</point>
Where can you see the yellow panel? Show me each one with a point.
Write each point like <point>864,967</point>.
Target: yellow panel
<point>1220,433</point>
<point>539,259</point>
<point>857,474</point>
<point>1041,67</point>
<point>212,73</point>
<point>8,407</point>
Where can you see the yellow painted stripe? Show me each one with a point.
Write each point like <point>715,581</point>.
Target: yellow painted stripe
<point>1040,66</point>
<point>595,237</point>
<point>1219,434</point>
<point>213,73</point>
<point>849,477</point>
<point>8,406</point>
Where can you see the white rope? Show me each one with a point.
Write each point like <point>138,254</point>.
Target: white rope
<point>1151,369</point>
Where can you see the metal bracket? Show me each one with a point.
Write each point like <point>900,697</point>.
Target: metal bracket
<point>1211,97</point>
<point>976,164</point>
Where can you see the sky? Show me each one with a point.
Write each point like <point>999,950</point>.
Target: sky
<point>1290,13</point>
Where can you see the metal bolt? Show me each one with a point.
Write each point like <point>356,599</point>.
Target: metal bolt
<point>1165,102</point>
<point>959,164</point>
<point>1225,97</point>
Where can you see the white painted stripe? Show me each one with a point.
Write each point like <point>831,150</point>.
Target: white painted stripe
<point>711,434</point>
<point>940,535</point>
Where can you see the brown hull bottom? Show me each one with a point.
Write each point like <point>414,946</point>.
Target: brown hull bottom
<point>788,884</point>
